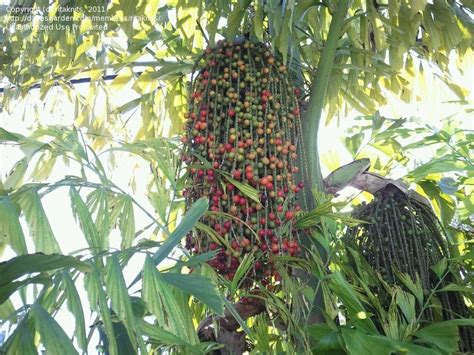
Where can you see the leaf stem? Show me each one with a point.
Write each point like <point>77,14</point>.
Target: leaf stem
<point>319,87</point>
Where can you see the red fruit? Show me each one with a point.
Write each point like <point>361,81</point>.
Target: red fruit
<point>237,174</point>
<point>289,215</point>
<point>245,242</point>
<point>213,246</point>
<point>235,245</point>
<point>242,201</point>
<point>231,112</point>
<point>227,225</point>
<point>275,248</point>
<point>269,186</point>
<point>272,216</point>
<point>263,221</point>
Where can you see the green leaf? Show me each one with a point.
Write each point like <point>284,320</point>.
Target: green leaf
<point>406,302</point>
<point>440,267</point>
<point>7,312</point>
<point>16,174</point>
<point>457,288</point>
<point>246,189</point>
<point>129,106</point>
<point>188,222</point>
<point>282,41</point>
<point>159,335</point>
<point>350,299</point>
<point>98,302</point>
<point>198,286</point>
<point>127,223</point>
<point>162,303</point>
<point>445,334</point>
<point>242,271</point>
<point>53,337</point>
<point>34,263</point>
<point>258,21</point>
<point>439,165</point>
<point>10,228</point>
<point>74,306</point>
<point>448,185</point>
<point>354,143</point>
<point>6,136</point>
<point>415,287</point>
<point>8,289</point>
<point>82,214</point>
<point>359,343</point>
<point>235,18</point>
<point>169,70</point>
<point>40,229</point>
<point>120,301</point>
<point>22,340</point>
<point>327,341</point>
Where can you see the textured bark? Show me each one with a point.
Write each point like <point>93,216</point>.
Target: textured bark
<point>226,327</point>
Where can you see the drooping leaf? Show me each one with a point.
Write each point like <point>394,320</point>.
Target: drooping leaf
<point>53,337</point>
<point>127,223</point>
<point>7,312</point>
<point>10,228</point>
<point>21,341</point>
<point>8,289</point>
<point>246,189</point>
<point>120,301</point>
<point>34,263</point>
<point>161,336</point>
<point>235,18</point>
<point>85,220</point>
<point>16,174</point>
<point>74,306</point>
<point>163,304</point>
<point>98,302</point>
<point>40,229</point>
<point>188,222</point>
<point>201,287</point>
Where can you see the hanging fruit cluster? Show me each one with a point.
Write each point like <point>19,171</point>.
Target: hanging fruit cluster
<point>242,128</point>
<point>405,235</point>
